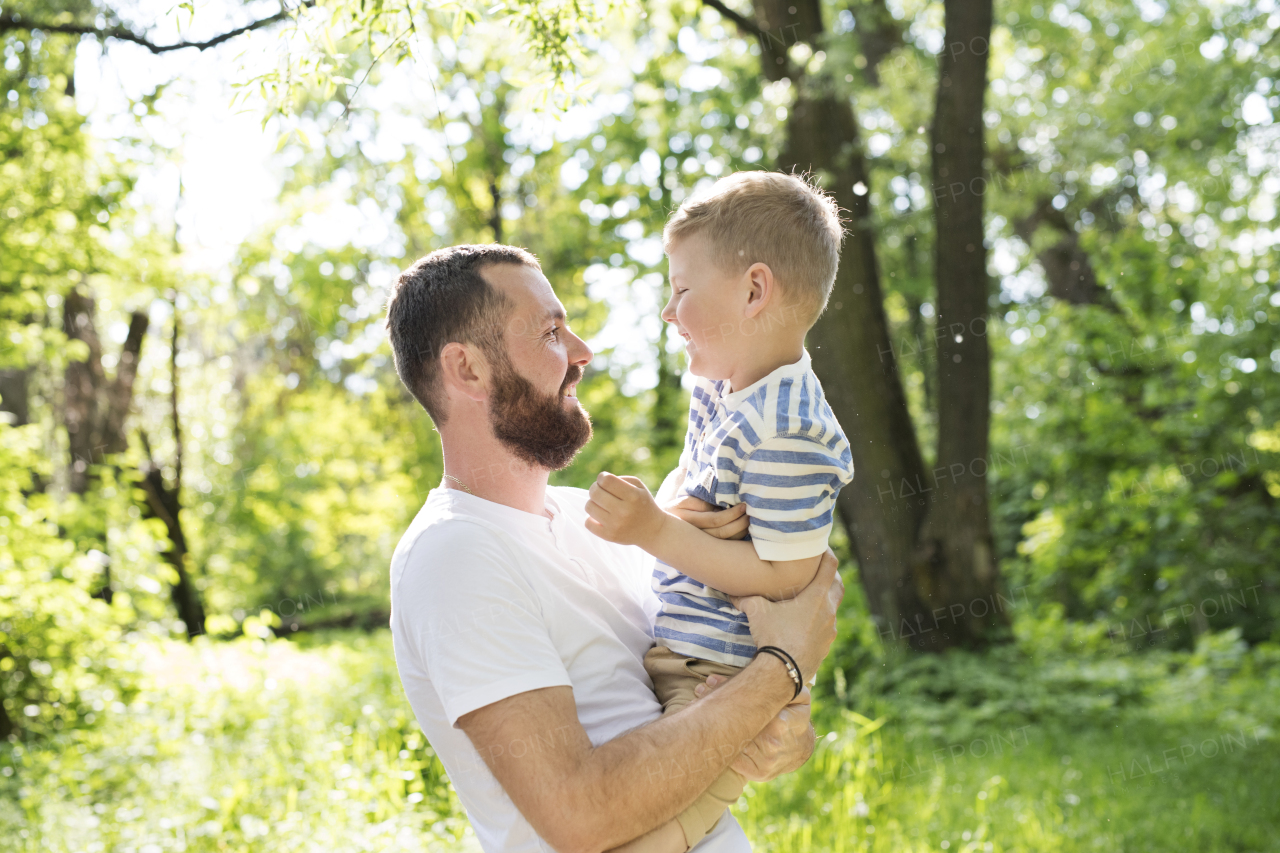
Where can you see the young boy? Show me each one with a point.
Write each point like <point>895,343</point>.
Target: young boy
<point>752,263</point>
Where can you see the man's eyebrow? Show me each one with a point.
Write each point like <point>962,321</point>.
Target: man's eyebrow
<point>554,314</point>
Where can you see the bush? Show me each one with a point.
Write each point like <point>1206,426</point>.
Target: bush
<point>62,662</point>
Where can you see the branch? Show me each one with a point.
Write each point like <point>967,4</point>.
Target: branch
<point>744,23</point>
<point>119,32</point>
<point>120,392</point>
<point>879,34</point>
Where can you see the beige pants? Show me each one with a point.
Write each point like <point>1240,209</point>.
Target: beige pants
<point>674,679</point>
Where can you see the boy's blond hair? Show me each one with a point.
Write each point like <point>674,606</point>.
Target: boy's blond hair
<point>782,221</point>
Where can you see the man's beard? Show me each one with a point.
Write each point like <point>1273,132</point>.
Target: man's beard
<point>536,426</point>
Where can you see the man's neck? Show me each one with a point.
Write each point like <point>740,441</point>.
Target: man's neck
<point>490,471</point>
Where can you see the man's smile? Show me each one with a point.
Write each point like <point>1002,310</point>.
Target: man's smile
<point>569,388</point>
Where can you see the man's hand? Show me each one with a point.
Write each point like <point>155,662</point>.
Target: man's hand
<point>728,523</point>
<point>805,626</point>
<point>784,745</point>
<point>622,510</point>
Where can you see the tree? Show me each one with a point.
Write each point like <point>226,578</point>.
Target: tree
<point>922,535</point>
<point>96,407</point>
<point>163,501</point>
<point>926,553</point>
<point>61,192</point>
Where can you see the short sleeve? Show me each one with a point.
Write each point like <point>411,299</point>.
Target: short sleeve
<point>789,484</point>
<point>671,484</point>
<point>473,619</point>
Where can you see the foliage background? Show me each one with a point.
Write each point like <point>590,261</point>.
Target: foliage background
<point>1134,464</point>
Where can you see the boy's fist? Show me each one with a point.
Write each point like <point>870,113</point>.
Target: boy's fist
<point>622,510</point>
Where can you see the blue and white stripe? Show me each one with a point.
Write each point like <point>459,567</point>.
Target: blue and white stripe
<point>777,446</point>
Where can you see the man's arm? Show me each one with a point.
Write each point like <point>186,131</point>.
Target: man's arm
<point>622,510</point>
<point>583,799</point>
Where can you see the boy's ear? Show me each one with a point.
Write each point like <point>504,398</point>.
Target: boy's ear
<point>464,372</point>
<point>761,288</point>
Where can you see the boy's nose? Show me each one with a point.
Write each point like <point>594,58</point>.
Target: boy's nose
<point>669,311</point>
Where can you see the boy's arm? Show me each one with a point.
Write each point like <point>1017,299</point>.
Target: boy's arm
<point>731,523</point>
<point>622,510</point>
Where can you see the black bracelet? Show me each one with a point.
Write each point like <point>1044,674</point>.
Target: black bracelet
<point>793,669</point>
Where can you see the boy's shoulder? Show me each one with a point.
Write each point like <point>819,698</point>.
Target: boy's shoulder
<point>788,403</point>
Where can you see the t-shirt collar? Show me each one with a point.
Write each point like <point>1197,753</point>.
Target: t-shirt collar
<point>799,368</point>
<point>468,504</point>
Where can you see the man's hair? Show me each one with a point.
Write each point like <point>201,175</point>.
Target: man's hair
<point>784,221</point>
<point>443,299</point>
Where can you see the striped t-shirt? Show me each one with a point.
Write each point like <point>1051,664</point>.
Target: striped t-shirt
<point>777,446</point>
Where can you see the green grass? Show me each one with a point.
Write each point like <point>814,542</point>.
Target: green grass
<point>310,746</point>
<point>1047,791</point>
<point>244,745</point>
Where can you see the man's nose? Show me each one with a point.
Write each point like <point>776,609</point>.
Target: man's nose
<point>579,353</point>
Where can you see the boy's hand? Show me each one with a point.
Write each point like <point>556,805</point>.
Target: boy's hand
<point>623,511</point>
<point>728,523</point>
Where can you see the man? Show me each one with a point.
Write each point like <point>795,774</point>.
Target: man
<point>519,636</point>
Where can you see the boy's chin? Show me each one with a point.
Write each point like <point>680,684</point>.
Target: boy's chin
<point>698,367</point>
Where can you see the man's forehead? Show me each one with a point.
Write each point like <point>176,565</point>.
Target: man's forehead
<point>528,289</point>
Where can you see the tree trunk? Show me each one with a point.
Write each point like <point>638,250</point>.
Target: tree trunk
<point>923,342</point>
<point>15,395</point>
<point>495,216</point>
<point>6,724</point>
<point>82,383</point>
<point>95,414</point>
<point>922,603</point>
<point>878,33</point>
<point>1066,266</point>
<point>164,501</point>
<point>956,561</point>
<point>119,393</point>
<point>94,409</point>
<point>850,344</point>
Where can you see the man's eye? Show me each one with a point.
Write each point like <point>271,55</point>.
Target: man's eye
<point>554,333</point>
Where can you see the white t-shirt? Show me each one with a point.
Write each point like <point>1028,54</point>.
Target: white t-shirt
<point>488,602</point>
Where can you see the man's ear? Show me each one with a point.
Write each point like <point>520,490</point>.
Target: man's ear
<point>761,289</point>
<point>464,372</point>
